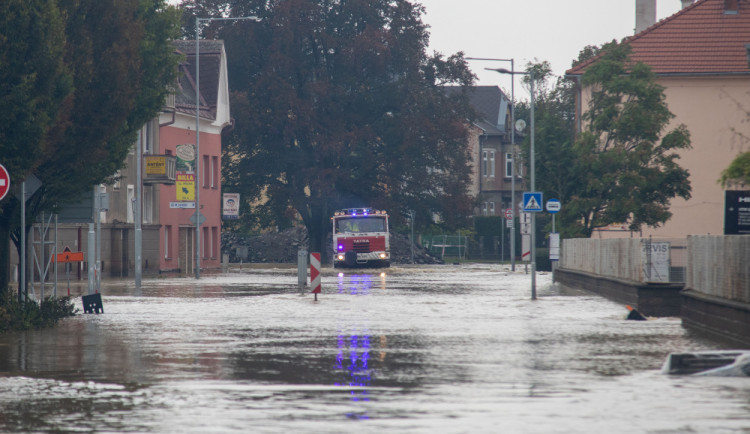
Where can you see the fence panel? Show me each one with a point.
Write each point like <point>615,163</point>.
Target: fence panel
<point>720,266</point>
<point>634,259</point>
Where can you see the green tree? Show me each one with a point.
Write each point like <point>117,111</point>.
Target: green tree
<point>554,118</point>
<point>121,61</point>
<point>34,86</point>
<point>628,163</point>
<point>339,105</point>
<point>738,172</point>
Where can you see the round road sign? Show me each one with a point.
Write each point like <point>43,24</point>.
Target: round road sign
<point>4,181</point>
<point>509,213</point>
<point>553,206</point>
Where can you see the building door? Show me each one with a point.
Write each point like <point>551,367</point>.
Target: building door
<point>186,258</point>
<point>125,258</point>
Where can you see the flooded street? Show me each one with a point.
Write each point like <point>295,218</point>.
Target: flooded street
<point>414,349</point>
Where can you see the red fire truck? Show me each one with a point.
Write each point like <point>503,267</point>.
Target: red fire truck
<point>360,238</point>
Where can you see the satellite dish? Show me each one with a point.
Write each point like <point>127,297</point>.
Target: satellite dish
<point>520,125</point>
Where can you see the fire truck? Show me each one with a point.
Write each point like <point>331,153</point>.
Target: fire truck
<point>360,238</point>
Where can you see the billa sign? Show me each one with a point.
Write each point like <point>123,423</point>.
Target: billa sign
<point>185,187</point>
<point>737,213</point>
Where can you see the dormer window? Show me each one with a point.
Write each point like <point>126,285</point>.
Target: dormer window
<point>730,7</point>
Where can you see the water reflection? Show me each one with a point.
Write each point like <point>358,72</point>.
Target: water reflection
<point>353,357</point>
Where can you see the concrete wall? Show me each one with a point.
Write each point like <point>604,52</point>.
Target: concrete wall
<point>716,295</point>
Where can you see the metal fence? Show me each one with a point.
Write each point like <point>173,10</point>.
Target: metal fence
<point>454,246</point>
<point>636,259</point>
<point>720,266</point>
<point>474,247</point>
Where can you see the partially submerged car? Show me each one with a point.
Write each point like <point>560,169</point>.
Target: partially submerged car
<point>731,363</point>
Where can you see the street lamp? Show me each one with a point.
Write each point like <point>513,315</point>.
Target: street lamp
<point>512,162</point>
<point>198,135</point>
<point>530,73</point>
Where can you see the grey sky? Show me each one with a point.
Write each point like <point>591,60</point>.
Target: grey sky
<point>552,30</point>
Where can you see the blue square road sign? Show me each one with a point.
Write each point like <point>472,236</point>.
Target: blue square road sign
<point>532,201</point>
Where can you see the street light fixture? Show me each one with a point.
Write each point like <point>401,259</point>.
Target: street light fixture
<point>530,73</point>
<point>512,162</point>
<point>197,135</point>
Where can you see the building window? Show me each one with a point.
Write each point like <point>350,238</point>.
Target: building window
<point>148,142</point>
<point>215,243</point>
<point>491,210</point>
<point>148,204</point>
<point>204,172</point>
<point>167,237</point>
<point>131,203</point>
<point>214,172</point>
<point>488,163</point>
<point>206,243</point>
<point>508,165</point>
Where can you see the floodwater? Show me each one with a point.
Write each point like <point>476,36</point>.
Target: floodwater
<point>455,349</point>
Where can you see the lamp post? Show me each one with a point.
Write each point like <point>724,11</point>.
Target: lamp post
<point>513,161</point>
<point>530,73</point>
<point>198,135</point>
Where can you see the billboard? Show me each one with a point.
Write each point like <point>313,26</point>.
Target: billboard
<point>231,207</point>
<point>737,212</point>
<point>185,158</point>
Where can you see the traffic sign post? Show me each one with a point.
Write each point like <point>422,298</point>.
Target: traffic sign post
<point>4,182</point>
<point>553,207</point>
<point>66,257</point>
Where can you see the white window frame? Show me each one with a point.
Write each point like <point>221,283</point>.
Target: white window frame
<point>508,164</point>
<point>492,163</point>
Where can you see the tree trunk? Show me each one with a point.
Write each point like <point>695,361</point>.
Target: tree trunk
<point>4,254</point>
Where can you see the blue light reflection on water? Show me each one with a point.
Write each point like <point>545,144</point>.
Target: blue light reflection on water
<point>353,357</point>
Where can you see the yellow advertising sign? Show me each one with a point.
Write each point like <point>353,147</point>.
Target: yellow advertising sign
<point>156,165</point>
<point>185,187</point>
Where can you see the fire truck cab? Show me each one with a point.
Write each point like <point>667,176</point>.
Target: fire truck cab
<point>361,238</point>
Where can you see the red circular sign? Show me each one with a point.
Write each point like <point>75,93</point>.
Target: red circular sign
<point>4,182</point>
<point>509,213</point>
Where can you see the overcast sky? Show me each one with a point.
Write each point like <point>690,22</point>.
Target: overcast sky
<point>551,30</point>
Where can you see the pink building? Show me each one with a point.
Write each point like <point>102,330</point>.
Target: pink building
<point>177,137</point>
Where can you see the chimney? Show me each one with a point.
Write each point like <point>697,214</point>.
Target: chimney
<point>686,3</point>
<point>730,6</point>
<point>645,14</point>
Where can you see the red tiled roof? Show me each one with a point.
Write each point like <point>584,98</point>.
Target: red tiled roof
<point>700,39</point>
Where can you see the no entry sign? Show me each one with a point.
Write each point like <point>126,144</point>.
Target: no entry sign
<point>4,181</point>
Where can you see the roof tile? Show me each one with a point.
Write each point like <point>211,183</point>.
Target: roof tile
<point>699,39</point>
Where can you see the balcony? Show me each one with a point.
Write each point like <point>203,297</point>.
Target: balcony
<point>160,169</point>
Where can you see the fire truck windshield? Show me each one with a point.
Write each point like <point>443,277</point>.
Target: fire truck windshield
<point>360,224</point>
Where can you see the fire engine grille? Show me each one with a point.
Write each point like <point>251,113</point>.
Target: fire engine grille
<point>361,246</point>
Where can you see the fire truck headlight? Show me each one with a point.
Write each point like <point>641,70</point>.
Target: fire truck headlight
<point>340,257</point>
<point>382,256</point>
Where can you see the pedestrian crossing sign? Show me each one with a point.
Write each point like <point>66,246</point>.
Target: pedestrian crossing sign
<point>532,201</point>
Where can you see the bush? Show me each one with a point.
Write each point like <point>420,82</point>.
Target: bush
<point>15,315</point>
